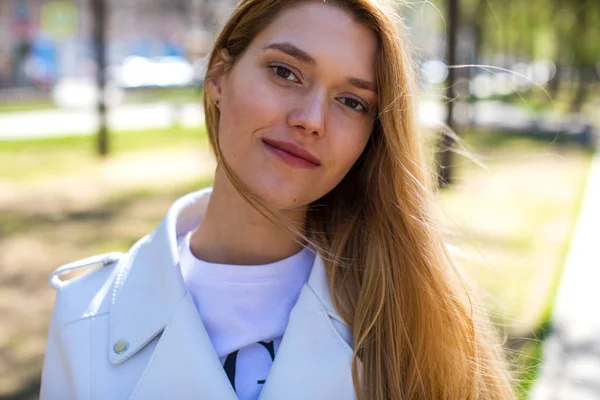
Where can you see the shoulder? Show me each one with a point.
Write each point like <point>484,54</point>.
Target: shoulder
<point>100,260</point>
<point>87,294</point>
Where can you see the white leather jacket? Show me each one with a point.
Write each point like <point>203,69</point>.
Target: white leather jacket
<point>130,330</point>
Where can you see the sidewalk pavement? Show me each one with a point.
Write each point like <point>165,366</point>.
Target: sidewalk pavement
<point>65,122</point>
<point>571,354</point>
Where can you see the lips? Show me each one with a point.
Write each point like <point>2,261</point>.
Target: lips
<point>293,150</point>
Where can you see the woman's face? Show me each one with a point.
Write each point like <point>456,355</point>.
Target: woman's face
<point>298,106</point>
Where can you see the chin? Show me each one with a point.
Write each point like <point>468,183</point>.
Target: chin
<point>283,200</point>
<point>279,191</point>
<point>283,197</point>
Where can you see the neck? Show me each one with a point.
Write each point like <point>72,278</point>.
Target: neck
<point>234,232</point>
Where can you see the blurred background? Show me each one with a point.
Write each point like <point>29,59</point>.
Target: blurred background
<point>101,128</point>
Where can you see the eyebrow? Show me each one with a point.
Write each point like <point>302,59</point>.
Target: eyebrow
<point>301,55</point>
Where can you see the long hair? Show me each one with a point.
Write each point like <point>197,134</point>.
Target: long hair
<point>417,332</point>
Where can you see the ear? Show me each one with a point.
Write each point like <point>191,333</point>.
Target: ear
<point>217,74</point>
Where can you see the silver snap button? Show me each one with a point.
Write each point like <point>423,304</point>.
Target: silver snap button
<point>120,346</point>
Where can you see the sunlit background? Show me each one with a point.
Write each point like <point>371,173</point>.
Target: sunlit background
<point>101,128</point>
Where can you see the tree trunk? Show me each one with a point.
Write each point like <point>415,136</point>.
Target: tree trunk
<point>554,84</point>
<point>581,70</point>
<point>585,76</point>
<point>445,175</point>
<point>99,12</point>
<point>479,31</point>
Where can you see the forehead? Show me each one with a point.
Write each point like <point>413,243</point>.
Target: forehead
<point>328,34</point>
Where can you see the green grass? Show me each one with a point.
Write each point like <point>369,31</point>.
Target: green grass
<point>529,361</point>
<point>177,95</point>
<point>27,106</point>
<point>34,159</point>
<point>514,218</point>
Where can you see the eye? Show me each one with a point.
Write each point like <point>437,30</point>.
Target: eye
<point>283,72</point>
<point>353,104</point>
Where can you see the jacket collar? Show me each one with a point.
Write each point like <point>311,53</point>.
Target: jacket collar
<point>149,284</point>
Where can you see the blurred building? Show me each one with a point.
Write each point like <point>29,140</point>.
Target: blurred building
<point>43,41</point>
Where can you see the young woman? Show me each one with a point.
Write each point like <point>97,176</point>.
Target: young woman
<point>313,268</point>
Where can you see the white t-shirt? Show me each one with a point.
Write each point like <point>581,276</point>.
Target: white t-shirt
<point>245,309</point>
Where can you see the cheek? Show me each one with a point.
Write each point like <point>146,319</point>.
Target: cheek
<point>249,106</point>
<point>345,152</point>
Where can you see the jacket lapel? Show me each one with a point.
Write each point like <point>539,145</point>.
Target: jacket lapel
<point>149,285</point>
<point>184,364</point>
<point>313,360</point>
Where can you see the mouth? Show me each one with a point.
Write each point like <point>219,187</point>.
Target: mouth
<point>292,154</point>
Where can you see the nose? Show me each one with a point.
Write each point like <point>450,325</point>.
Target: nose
<point>309,114</point>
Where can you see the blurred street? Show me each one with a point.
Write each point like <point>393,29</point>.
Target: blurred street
<point>52,123</point>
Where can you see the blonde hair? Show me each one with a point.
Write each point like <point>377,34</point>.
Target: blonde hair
<point>416,330</point>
